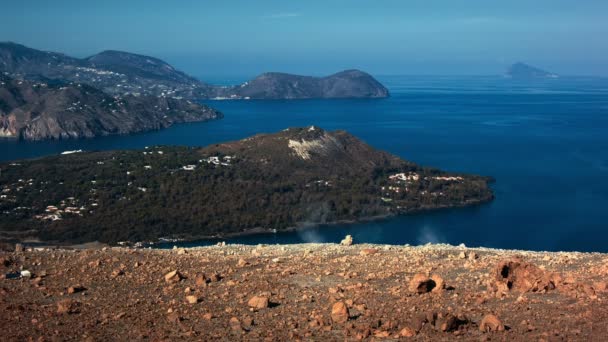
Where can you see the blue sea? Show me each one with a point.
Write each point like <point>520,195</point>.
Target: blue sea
<point>545,142</point>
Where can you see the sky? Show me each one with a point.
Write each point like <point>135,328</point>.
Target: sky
<point>384,37</point>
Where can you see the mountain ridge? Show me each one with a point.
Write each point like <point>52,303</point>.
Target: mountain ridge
<point>120,73</point>
<point>39,110</point>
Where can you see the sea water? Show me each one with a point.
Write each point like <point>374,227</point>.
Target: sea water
<point>545,142</point>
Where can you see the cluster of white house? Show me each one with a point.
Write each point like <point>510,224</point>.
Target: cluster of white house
<point>414,177</point>
<point>55,213</point>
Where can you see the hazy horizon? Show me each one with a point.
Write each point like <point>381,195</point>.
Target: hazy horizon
<point>318,38</point>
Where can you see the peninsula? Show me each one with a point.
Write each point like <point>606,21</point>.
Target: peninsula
<point>294,178</point>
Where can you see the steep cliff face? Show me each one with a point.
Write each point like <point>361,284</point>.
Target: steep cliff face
<point>37,111</point>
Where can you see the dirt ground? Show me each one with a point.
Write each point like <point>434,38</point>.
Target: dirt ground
<point>320,292</point>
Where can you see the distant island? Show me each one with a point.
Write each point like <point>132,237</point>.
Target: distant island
<point>524,71</point>
<point>123,73</point>
<point>37,110</point>
<point>274,85</point>
<point>269,182</point>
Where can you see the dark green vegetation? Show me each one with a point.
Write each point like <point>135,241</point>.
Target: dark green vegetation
<point>276,181</point>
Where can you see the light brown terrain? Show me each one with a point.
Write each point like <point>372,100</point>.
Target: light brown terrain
<point>304,292</point>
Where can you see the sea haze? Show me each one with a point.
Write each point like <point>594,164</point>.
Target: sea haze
<point>545,142</point>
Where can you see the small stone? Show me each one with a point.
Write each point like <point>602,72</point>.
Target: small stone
<point>117,272</point>
<point>473,256</point>
<point>339,313</point>
<point>491,323</point>
<point>600,286</point>
<point>347,241</point>
<point>67,306</point>
<point>407,332</point>
<point>174,317</point>
<point>208,316</point>
<point>76,289</point>
<point>235,324</point>
<point>462,255</point>
<point>173,277</point>
<point>242,263</point>
<point>258,302</point>
<point>201,280</point>
<point>368,251</point>
<point>192,299</point>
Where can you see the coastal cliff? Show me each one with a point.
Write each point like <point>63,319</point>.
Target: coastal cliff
<point>39,110</point>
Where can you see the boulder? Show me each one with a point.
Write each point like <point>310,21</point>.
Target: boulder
<point>258,302</point>
<point>491,323</point>
<point>173,277</point>
<point>339,312</point>
<point>422,284</point>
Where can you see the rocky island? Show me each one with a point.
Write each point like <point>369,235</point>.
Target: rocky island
<point>38,110</point>
<point>274,85</point>
<point>294,178</point>
<point>524,71</point>
<point>124,73</point>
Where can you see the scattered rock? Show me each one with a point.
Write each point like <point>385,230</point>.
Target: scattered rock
<point>407,332</point>
<point>201,280</point>
<point>473,256</point>
<point>258,302</point>
<point>192,299</point>
<point>368,251</point>
<point>347,241</point>
<point>174,317</point>
<point>76,289</point>
<point>173,277</point>
<point>68,306</point>
<point>117,272</point>
<point>339,312</point>
<point>518,275</point>
<point>242,263</point>
<point>235,324</point>
<point>462,255</point>
<point>452,323</point>
<point>491,323</point>
<point>18,248</point>
<point>421,284</point>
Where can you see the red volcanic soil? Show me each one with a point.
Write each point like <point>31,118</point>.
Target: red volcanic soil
<point>303,292</point>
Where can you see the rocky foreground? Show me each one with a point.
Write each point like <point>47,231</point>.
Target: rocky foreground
<point>303,292</point>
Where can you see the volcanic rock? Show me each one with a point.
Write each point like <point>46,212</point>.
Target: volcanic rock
<point>173,277</point>
<point>258,302</point>
<point>518,275</point>
<point>339,312</point>
<point>491,323</point>
<point>422,284</point>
